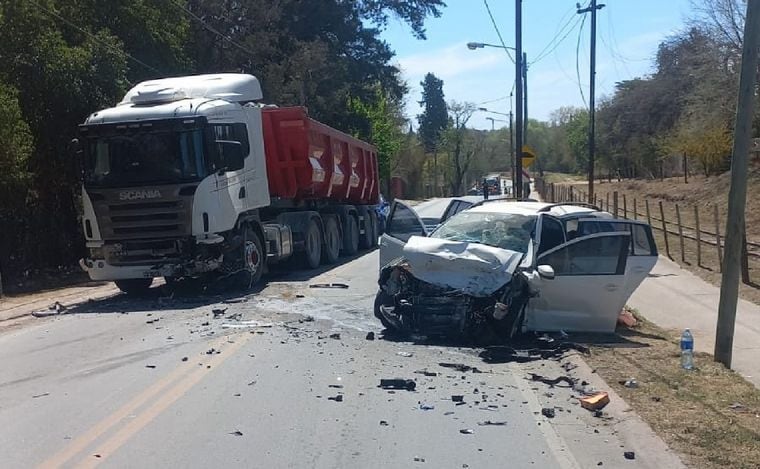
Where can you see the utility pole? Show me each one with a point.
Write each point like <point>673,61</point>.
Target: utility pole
<point>519,89</point>
<point>593,7</point>
<point>525,97</point>
<point>737,195</point>
<point>511,148</point>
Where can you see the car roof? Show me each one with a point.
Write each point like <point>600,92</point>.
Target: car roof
<point>533,208</point>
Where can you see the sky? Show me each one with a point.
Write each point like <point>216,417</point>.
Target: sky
<point>628,33</point>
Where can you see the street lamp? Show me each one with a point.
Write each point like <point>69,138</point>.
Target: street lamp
<point>480,45</point>
<point>494,120</point>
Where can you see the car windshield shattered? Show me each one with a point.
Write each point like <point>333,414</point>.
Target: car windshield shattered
<point>500,230</point>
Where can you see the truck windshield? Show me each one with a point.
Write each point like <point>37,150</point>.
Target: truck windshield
<point>145,158</point>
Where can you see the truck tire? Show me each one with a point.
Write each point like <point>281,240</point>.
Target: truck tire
<point>351,236</point>
<point>331,249</point>
<point>313,244</point>
<point>134,286</point>
<point>245,263</point>
<point>365,239</point>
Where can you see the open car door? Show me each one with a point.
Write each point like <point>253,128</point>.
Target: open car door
<point>642,252</point>
<point>588,290</point>
<point>403,223</point>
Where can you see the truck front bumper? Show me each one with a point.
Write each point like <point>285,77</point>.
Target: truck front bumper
<point>98,269</point>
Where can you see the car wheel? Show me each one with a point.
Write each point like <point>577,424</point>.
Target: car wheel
<point>381,299</point>
<point>134,286</point>
<point>332,241</point>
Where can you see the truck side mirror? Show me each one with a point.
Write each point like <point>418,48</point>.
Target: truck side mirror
<point>231,156</point>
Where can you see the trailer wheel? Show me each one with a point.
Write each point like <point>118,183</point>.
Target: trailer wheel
<point>313,244</point>
<point>332,241</point>
<point>134,286</point>
<point>351,237</point>
<point>365,240</point>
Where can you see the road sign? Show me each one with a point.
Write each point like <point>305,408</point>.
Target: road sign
<point>528,156</point>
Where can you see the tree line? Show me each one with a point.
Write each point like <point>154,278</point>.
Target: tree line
<point>64,59</point>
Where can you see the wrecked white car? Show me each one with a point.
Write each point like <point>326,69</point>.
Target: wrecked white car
<point>501,267</point>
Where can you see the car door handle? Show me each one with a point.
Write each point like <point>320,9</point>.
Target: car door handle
<point>611,287</point>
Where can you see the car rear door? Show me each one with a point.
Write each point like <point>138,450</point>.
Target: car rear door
<point>589,288</point>
<point>642,253</point>
<point>403,223</point>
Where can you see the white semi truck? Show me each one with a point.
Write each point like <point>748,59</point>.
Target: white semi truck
<point>194,177</point>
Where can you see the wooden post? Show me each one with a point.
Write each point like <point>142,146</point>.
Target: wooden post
<point>571,194</point>
<point>615,204</point>
<point>635,210</point>
<point>745,259</point>
<point>649,217</point>
<point>680,233</point>
<point>665,231</point>
<point>625,207</point>
<point>699,235</point>
<point>608,202</point>
<point>717,239</point>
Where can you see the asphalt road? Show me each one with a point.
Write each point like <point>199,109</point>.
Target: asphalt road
<point>160,382</point>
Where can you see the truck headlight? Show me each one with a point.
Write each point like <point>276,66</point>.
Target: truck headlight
<point>97,253</point>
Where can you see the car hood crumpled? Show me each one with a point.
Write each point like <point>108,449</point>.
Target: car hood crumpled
<point>473,268</point>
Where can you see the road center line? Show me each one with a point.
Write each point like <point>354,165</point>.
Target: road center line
<point>86,439</point>
<point>173,394</point>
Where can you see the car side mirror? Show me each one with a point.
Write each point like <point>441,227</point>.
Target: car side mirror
<point>546,271</point>
<point>231,156</point>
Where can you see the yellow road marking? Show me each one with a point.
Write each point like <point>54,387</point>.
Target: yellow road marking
<point>83,441</point>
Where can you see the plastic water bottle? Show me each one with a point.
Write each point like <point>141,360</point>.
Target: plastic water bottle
<point>687,350</point>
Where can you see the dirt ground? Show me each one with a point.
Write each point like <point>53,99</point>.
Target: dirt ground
<point>710,415</point>
<point>700,192</point>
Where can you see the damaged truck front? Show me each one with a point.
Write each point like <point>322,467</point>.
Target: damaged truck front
<point>504,267</point>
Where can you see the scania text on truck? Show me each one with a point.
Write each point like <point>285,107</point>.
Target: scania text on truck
<point>194,177</point>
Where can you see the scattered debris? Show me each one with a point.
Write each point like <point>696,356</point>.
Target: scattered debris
<point>97,455</point>
<point>336,386</point>
<point>308,319</point>
<point>738,407</point>
<point>184,359</point>
<point>217,312</point>
<point>404,354</point>
<point>426,373</point>
<point>595,402</point>
<point>489,422</point>
<point>53,310</point>
<point>460,367</point>
<point>151,321</point>
<point>627,319</point>
<point>548,412</point>
<point>370,336</point>
<point>328,285</point>
<point>150,366</point>
<point>338,398</point>
<point>252,383</point>
<point>335,335</point>
<point>656,398</point>
<point>383,423</point>
<point>212,351</point>
<point>236,433</point>
<point>553,381</point>
<point>40,395</point>
<point>419,459</point>
<point>630,383</point>
<point>300,296</point>
<point>629,455</point>
<point>205,323</point>
<point>507,354</point>
<point>467,431</point>
<point>427,406</point>
<point>245,324</point>
<point>234,317</point>
<point>398,383</point>
<point>457,398</point>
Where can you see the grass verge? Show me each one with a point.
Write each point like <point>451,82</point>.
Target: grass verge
<point>710,415</point>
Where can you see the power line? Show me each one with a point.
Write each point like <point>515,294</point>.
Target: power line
<point>95,38</point>
<point>211,28</point>
<point>494,100</point>
<point>554,43</point>
<point>498,33</point>
<point>577,66</point>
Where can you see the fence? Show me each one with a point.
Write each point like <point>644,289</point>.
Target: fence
<point>696,230</point>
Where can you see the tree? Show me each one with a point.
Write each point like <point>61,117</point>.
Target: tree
<point>434,117</point>
<point>461,149</point>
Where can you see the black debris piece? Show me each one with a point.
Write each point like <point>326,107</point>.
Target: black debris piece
<point>370,336</point>
<point>150,366</point>
<point>40,395</point>
<point>218,312</point>
<point>336,386</point>
<point>205,323</point>
<point>234,317</point>
<point>335,335</point>
<point>553,381</point>
<point>338,398</point>
<point>328,285</point>
<point>237,394</point>
<point>457,398</point>
<point>599,413</point>
<point>237,433</point>
<point>398,383</point>
<point>300,296</point>
<point>467,431</point>
<point>656,398</point>
<point>541,351</point>
<point>419,459</point>
<point>212,351</point>
<point>151,321</point>
<point>548,412</point>
<point>629,455</point>
<point>460,367</point>
<point>383,423</point>
<point>489,422</point>
<point>308,319</point>
<point>184,359</point>
<point>252,383</point>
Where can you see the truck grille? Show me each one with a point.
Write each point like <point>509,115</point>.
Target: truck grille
<point>169,216</point>
<point>142,252</point>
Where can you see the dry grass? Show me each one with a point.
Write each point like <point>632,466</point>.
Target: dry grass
<point>691,411</point>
